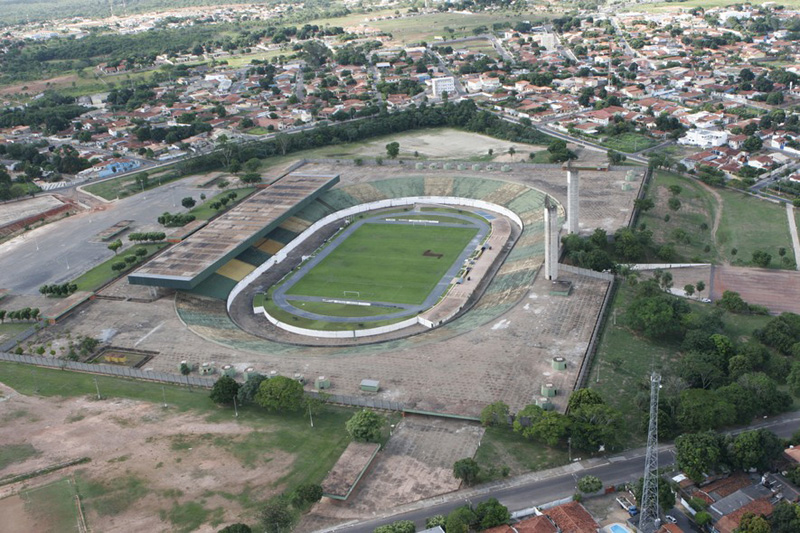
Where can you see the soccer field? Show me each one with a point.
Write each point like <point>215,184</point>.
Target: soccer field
<point>386,263</point>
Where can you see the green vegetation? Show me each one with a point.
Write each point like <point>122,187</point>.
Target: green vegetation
<point>625,357</point>
<point>386,263</point>
<point>204,211</point>
<point>503,449</point>
<point>331,309</point>
<point>54,505</point>
<point>110,499</point>
<point>301,322</point>
<point>189,516</point>
<point>687,231</point>
<point>123,186</point>
<point>103,273</point>
<point>749,225</point>
<point>16,453</point>
<point>629,142</point>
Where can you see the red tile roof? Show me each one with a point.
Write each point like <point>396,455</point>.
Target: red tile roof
<point>573,518</point>
<point>728,523</point>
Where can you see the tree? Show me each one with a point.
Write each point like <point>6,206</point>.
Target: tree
<point>688,289</point>
<point>583,397</point>
<point>666,496</point>
<point>460,520</point>
<point>236,528</point>
<point>119,266</point>
<point>401,526</point>
<point>188,202</point>
<point>700,286</point>
<point>307,493</point>
<point>732,301</point>
<point>495,414</point>
<point>793,379</point>
<point>593,426</point>
<point>249,389</point>
<point>700,409</point>
<point>436,520</point>
<point>280,394</point>
<point>114,246</point>
<point>644,204</point>
<point>761,258</point>
<point>752,144</point>
<point>551,428</point>
<point>276,516</point>
<point>224,390</point>
<point>492,513</point>
<point>786,517</point>
<point>393,149</point>
<point>750,523</point>
<point>698,454</point>
<point>2,316</point>
<point>512,151</point>
<point>755,449</point>
<point>185,369</point>
<point>589,484</point>
<point>365,426</point>
<point>466,470</point>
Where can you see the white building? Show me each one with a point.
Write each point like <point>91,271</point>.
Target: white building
<point>441,85</point>
<point>704,138</point>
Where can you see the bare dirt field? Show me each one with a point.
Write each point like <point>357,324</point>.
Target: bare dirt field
<point>12,211</point>
<point>415,464</point>
<point>146,461</point>
<point>777,290</point>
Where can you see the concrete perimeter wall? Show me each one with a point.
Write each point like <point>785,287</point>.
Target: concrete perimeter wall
<point>350,211</point>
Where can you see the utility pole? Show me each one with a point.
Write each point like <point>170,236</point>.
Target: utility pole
<point>649,520</point>
<point>164,395</point>
<point>235,409</point>
<point>97,387</point>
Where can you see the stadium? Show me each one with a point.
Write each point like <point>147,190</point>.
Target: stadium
<point>285,282</point>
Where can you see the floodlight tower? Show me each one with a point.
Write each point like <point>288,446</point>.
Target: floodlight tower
<point>649,513</point>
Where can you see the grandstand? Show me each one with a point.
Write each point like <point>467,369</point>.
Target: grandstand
<point>207,252</point>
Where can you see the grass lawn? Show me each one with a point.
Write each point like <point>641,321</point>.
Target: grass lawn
<point>385,263</point>
<point>204,211</point>
<point>694,220</point>
<point>16,453</point>
<point>689,4</point>
<point>542,156</point>
<point>258,130</point>
<point>749,224</point>
<point>102,273</point>
<point>9,329</point>
<point>326,308</point>
<point>501,447</point>
<point>624,359</point>
<point>123,186</point>
<point>628,142</point>
<point>53,506</point>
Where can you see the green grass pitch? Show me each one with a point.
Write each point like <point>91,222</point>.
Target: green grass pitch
<point>385,263</point>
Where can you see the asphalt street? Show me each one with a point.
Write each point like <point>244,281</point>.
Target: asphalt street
<point>61,251</point>
<point>539,488</point>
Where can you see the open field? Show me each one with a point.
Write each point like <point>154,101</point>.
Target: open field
<point>628,142</point>
<point>689,229</point>
<point>103,273</point>
<point>123,186</point>
<point>9,329</point>
<point>749,224</point>
<point>189,467</point>
<point>386,263</point>
<point>435,143</point>
<point>50,508</point>
<point>501,447</point>
<point>690,4</point>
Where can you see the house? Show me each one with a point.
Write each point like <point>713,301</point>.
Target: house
<point>704,138</point>
<point>445,84</point>
<point>111,167</point>
<point>568,518</point>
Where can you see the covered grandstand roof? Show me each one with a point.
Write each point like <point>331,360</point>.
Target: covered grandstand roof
<point>191,261</point>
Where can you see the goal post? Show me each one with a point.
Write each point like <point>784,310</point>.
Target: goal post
<point>357,294</point>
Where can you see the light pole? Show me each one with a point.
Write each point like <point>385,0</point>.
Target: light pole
<point>235,409</point>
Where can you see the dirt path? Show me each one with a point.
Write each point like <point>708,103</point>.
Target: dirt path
<point>717,214</point>
<point>793,230</point>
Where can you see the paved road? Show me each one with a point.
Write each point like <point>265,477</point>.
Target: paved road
<point>547,486</point>
<point>61,251</point>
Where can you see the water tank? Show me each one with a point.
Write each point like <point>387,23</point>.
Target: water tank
<point>300,377</point>
<point>433,165</point>
<point>322,383</point>
<point>506,168</point>
<point>476,167</point>
<point>207,368</point>
<point>626,187</point>
<point>419,166</point>
<point>229,371</point>
<point>630,176</point>
<point>548,390</point>
<point>559,363</point>
<point>462,166</point>
<point>249,372</point>
<point>448,166</point>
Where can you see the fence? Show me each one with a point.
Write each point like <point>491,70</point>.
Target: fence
<point>583,373</point>
<point>605,276</point>
<point>110,370</point>
<point>18,338</point>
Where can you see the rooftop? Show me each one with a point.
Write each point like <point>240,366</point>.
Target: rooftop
<point>194,259</point>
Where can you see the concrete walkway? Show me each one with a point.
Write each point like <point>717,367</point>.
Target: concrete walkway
<point>793,230</point>
<point>283,300</point>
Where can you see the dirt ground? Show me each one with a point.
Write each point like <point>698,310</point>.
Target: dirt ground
<point>415,464</point>
<point>16,210</point>
<point>451,144</point>
<point>127,441</point>
<point>777,290</point>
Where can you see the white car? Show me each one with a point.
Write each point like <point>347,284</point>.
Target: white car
<point>671,519</point>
